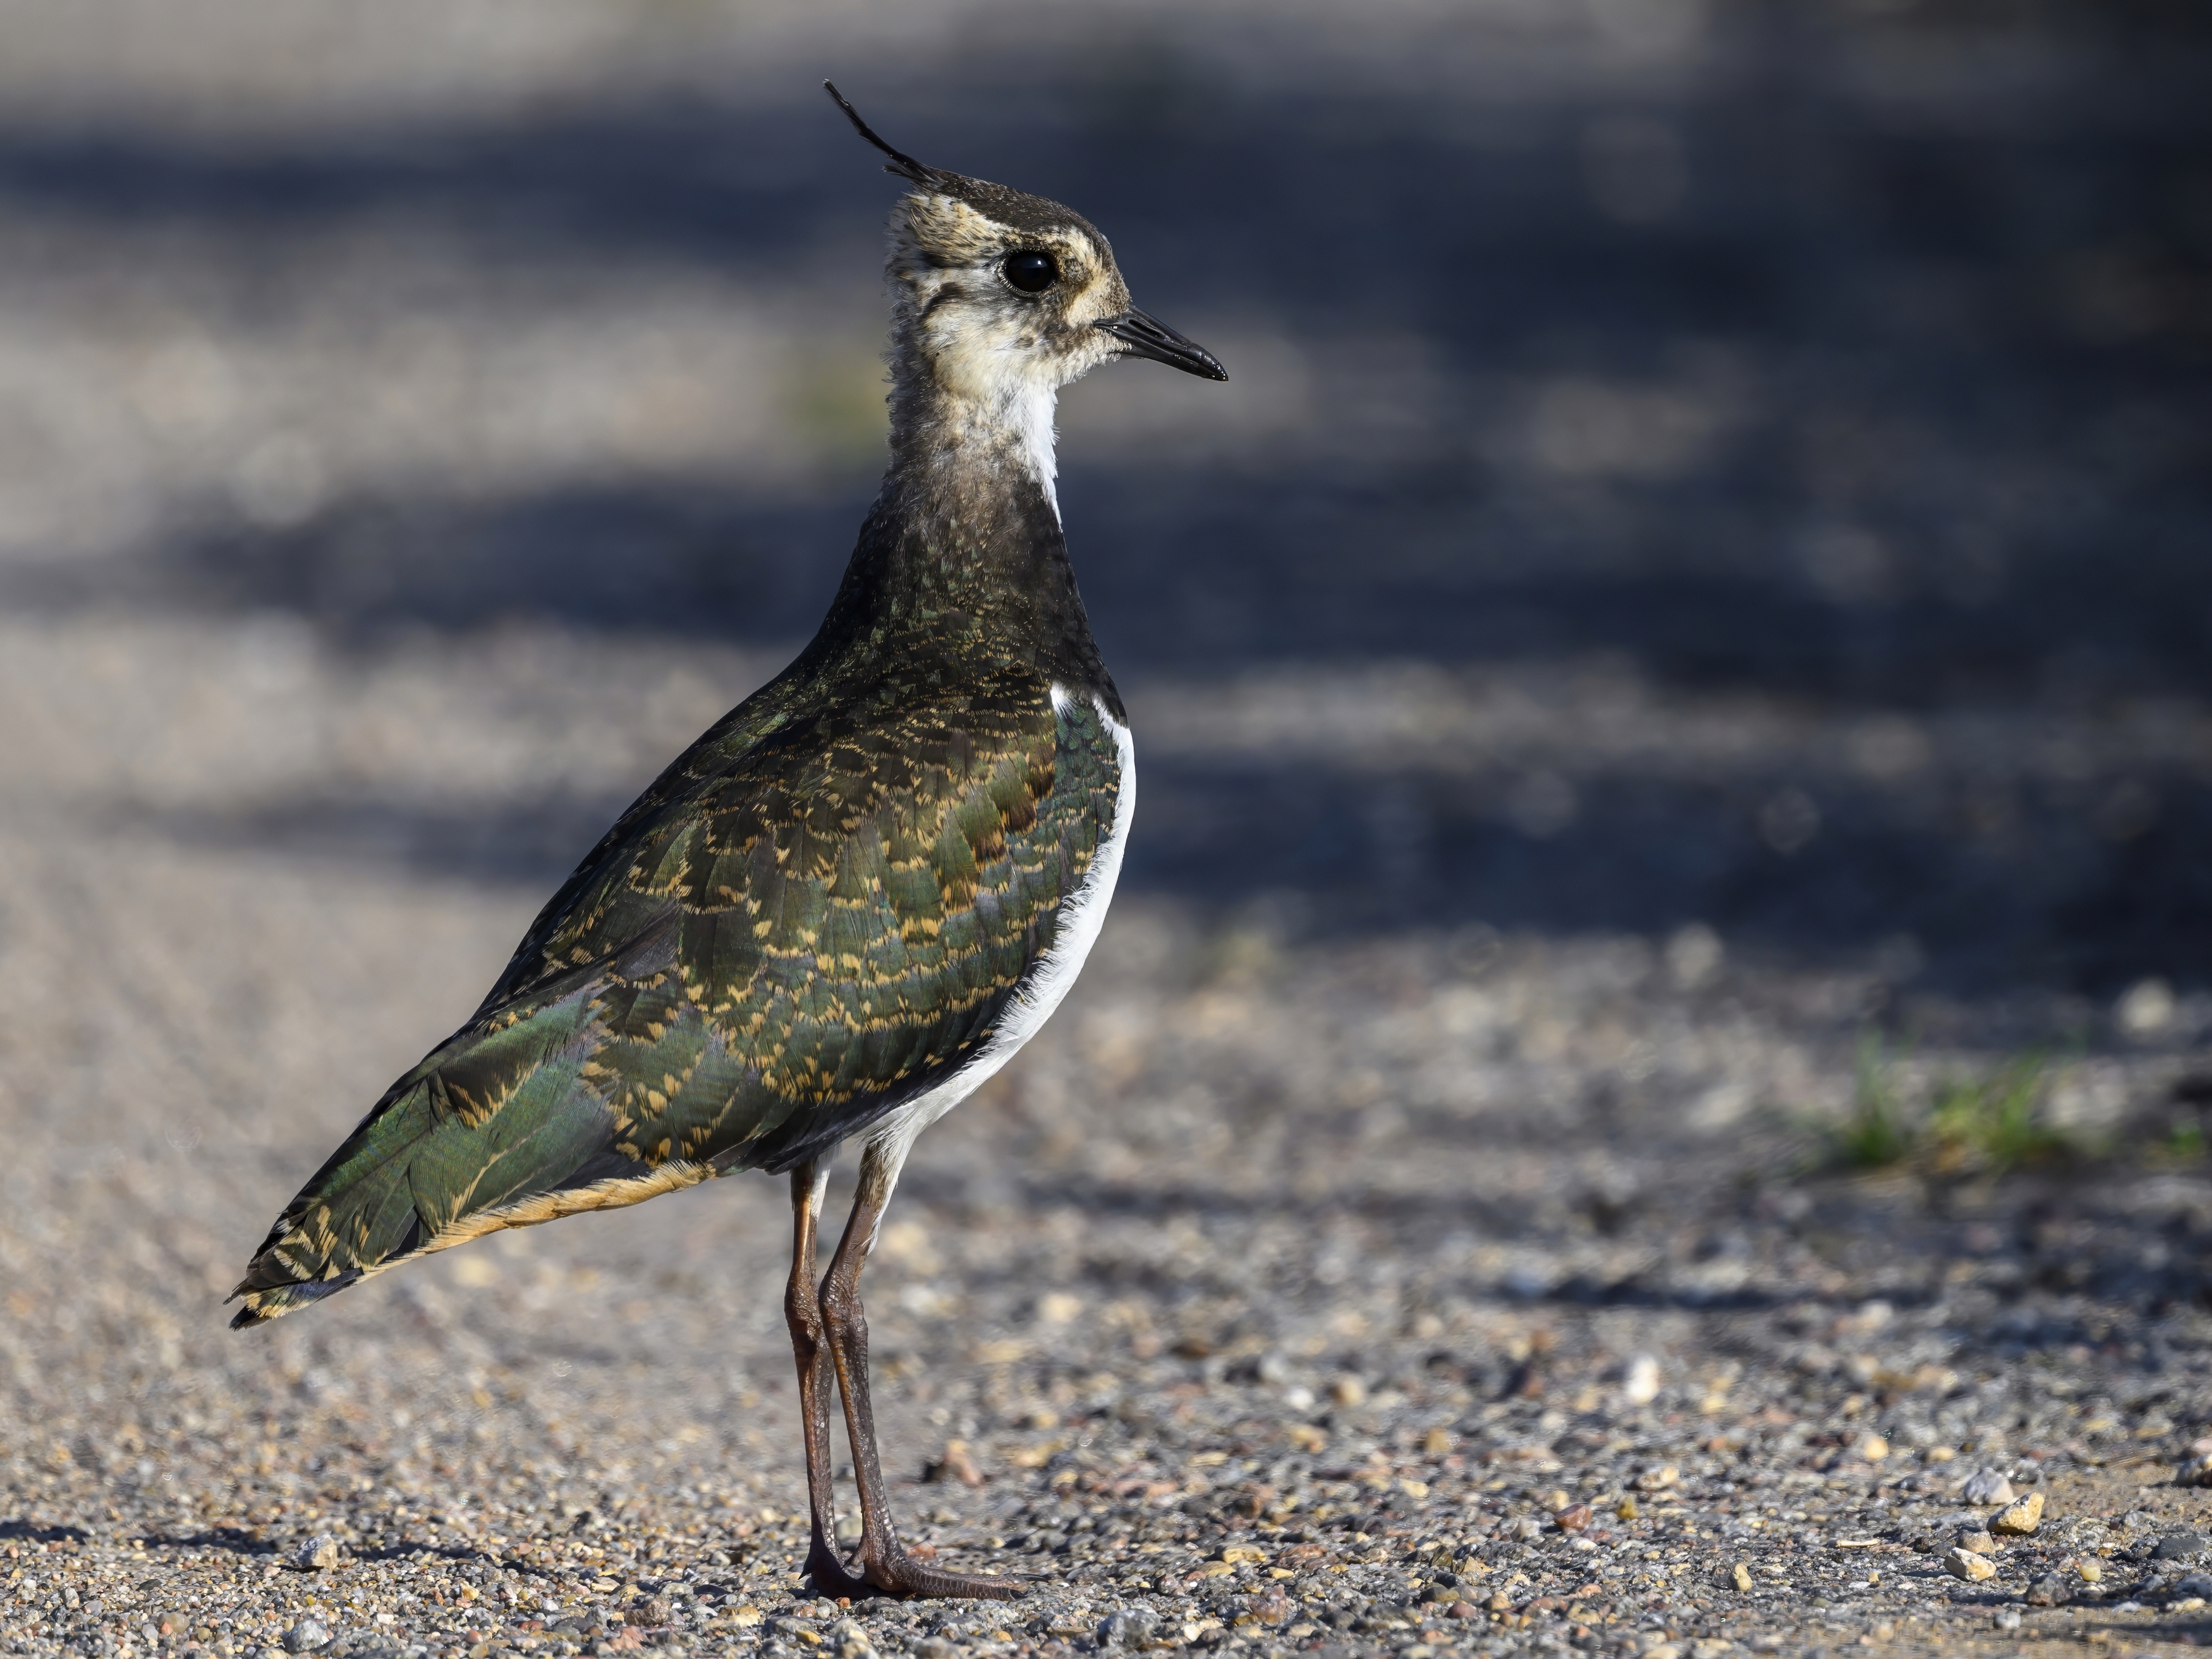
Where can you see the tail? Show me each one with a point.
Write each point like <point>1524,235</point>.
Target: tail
<point>499,1127</point>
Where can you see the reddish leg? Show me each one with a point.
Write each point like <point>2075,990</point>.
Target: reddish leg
<point>802,1312</point>
<point>883,1560</point>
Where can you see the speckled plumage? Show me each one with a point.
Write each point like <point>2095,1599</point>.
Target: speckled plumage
<point>817,913</point>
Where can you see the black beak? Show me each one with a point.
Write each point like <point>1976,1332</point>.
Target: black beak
<point>1146,338</point>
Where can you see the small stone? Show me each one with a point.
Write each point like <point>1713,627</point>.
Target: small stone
<point>1573,1518</point>
<point>850,1641</point>
<point>2178,1546</point>
<point>1348,1390</point>
<point>2147,1006</point>
<point>1463,1610</point>
<point>314,1554</point>
<point>2021,1518</point>
<point>1964,1564</point>
<point>1740,1577</point>
<point>2048,1591</point>
<point>1986,1486</point>
<point>958,1463</point>
<point>1658,1480</point>
<point>2092,1573</point>
<point>939,1647</point>
<point>1977,1543</point>
<point>1640,1385</point>
<point>1626,1510</point>
<point>306,1636</point>
<point>1132,1628</point>
<point>2197,1472</point>
<point>1874,1449</point>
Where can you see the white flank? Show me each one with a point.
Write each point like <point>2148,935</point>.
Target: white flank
<point>1082,914</point>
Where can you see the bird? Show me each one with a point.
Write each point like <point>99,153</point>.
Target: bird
<point>852,900</point>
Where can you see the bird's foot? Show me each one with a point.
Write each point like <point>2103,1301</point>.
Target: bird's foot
<point>893,1572</point>
<point>831,1578</point>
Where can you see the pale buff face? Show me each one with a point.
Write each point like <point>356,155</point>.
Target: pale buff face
<point>987,342</point>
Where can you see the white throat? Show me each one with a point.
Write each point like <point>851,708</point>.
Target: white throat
<point>1003,402</point>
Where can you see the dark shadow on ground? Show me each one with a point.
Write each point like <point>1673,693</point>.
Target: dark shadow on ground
<point>231,1541</point>
<point>1328,851</point>
<point>1697,587</point>
<point>37,1533</point>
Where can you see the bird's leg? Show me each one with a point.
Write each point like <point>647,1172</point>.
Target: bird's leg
<point>883,1560</point>
<point>802,1312</point>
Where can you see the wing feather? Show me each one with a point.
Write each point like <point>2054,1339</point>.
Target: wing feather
<point>801,925</point>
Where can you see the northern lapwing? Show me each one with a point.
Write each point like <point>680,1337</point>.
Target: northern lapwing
<point>853,899</point>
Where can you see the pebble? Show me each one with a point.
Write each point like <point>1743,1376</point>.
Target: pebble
<point>2092,1572</point>
<point>2021,1518</point>
<point>315,1554</point>
<point>2048,1591</point>
<point>1986,1486</point>
<point>1964,1564</point>
<point>1739,1576</point>
<point>2197,1472</point>
<point>1640,1386</point>
<point>1977,1543</point>
<point>1573,1518</point>
<point>306,1636</point>
<point>2178,1546</point>
<point>851,1640</point>
<point>1130,1628</point>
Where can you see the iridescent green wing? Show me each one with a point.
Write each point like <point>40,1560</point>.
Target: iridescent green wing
<point>784,945</point>
<point>856,903</point>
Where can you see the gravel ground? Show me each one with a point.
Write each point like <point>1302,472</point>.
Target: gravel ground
<point>1640,695</point>
<point>1455,1288</point>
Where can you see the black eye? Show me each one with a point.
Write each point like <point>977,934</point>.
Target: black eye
<point>1031,271</point>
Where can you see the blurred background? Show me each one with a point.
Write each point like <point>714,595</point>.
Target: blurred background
<point>1704,555</point>
<point>1736,464</point>
<point>1687,463</point>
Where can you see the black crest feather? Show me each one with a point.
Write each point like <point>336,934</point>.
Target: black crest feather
<point>1011,208</point>
<point>901,163</point>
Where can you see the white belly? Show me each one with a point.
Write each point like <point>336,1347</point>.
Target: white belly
<point>1082,914</point>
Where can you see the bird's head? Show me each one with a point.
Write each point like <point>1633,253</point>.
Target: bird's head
<point>1007,297</point>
